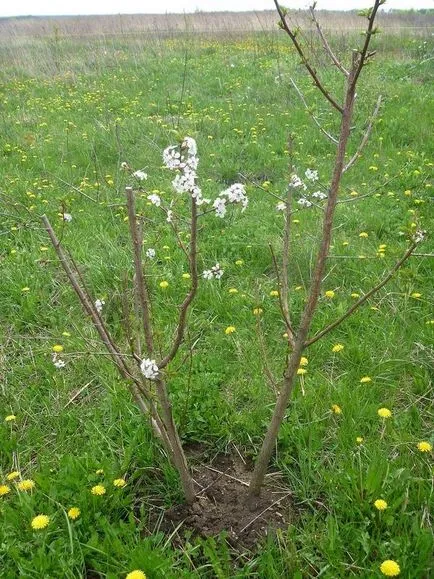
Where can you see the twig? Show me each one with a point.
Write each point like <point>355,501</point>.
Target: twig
<point>180,329</point>
<point>77,394</point>
<point>304,60</point>
<point>142,289</point>
<point>365,137</point>
<point>316,121</point>
<point>281,303</point>
<point>325,44</point>
<point>363,299</point>
<point>74,188</point>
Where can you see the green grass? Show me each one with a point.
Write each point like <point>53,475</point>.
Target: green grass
<point>71,113</point>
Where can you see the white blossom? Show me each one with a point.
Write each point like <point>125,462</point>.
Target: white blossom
<point>169,216</point>
<point>149,369</point>
<point>419,236</point>
<point>296,182</point>
<point>303,202</point>
<point>172,157</point>
<point>155,199</point>
<point>220,207</point>
<point>190,144</point>
<point>281,206</point>
<point>215,272</point>
<point>141,175</point>
<point>319,195</point>
<point>125,166</point>
<point>311,175</point>
<point>67,217</point>
<point>184,181</point>
<point>99,304</point>
<point>58,363</point>
<point>150,253</point>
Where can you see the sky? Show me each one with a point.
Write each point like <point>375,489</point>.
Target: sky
<point>52,7</point>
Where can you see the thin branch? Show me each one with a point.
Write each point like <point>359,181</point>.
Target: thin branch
<point>363,55</point>
<point>73,187</point>
<point>283,309</point>
<point>365,137</point>
<point>304,60</point>
<point>180,329</point>
<point>325,44</point>
<point>142,289</point>
<point>316,121</point>
<point>363,299</point>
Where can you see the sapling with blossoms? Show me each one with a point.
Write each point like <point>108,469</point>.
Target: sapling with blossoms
<point>143,371</point>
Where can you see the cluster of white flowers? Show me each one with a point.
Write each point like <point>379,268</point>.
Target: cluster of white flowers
<point>99,304</point>
<point>311,175</point>
<point>185,160</point>
<point>149,369</point>
<point>150,253</point>
<point>140,175</point>
<point>297,183</point>
<point>319,195</point>
<point>214,273</point>
<point>155,199</point>
<point>58,363</point>
<point>67,217</point>
<point>235,194</point>
<point>419,236</point>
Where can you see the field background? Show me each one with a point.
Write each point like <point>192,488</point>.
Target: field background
<point>79,96</point>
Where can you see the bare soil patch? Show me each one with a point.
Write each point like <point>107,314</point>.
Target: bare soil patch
<point>221,505</point>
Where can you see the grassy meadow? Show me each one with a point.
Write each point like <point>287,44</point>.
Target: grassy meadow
<point>72,110</point>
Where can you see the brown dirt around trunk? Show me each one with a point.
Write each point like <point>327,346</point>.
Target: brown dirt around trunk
<point>221,505</point>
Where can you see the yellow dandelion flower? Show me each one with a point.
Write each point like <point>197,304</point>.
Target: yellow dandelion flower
<point>384,413</point>
<point>233,290</point>
<point>26,485</point>
<point>365,379</point>
<point>301,371</point>
<point>274,293</point>
<point>424,446</point>
<point>336,409</point>
<point>355,295</point>
<point>10,418</point>
<point>136,574</point>
<point>164,284</point>
<point>337,348</point>
<point>304,361</point>
<point>345,243</point>
<point>13,475</point>
<point>390,568</point>
<point>98,490</point>
<point>4,490</point>
<point>186,276</point>
<point>363,235</point>
<point>74,513</point>
<point>257,311</point>
<point>380,505</point>
<point>99,471</point>
<point>416,295</point>
<point>119,482</point>
<point>57,348</point>
<point>329,294</point>
<point>239,262</point>
<point>359,439</point>
<point>298,288</point>
<point>230,330</point>
<point>40,522</point>
<point>25,289</point>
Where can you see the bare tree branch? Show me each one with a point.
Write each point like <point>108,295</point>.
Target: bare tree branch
<point>316,121</point>
<point>180,329</point>
<point>142,290</point>
<point>363,299</point>
<point>313,74</point>
<point>325,44</point>
<point>365,137</point>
